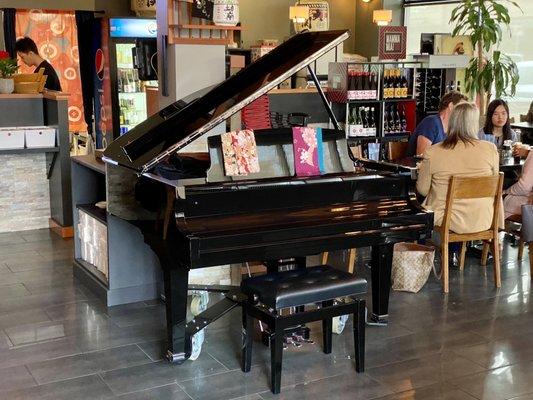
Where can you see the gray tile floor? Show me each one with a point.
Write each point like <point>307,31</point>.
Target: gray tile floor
<point>57,341</point>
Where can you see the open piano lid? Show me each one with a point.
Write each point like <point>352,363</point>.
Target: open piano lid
<point>179,124</point>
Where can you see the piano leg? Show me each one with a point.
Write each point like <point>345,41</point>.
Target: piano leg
<point>381,276</point>
<point>176,286</point>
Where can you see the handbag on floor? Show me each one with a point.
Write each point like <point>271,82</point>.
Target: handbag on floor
<point>411,266</point>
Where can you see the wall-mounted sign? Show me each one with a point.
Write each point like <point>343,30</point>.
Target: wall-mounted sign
<point>132,27</point>
<point>392,42</point>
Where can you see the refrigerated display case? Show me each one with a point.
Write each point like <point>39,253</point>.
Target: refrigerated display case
<point>128,91</point>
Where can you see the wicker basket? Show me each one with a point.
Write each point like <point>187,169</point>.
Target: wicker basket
<point>30,83</point>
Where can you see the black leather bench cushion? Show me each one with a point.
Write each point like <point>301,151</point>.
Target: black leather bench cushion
<point>303,286</point>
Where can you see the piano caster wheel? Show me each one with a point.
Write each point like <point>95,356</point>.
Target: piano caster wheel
<point>196,345</point>
<point>339,323</point>
<point>175,358</point>
<point>200,299</point>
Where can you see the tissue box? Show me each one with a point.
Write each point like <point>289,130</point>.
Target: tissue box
<point>11,138</point>
<point>40,137</point>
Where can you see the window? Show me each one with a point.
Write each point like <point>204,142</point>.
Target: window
<point>435,18</point>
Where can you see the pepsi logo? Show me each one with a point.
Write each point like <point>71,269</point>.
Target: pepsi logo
<point>152,28</point>
<point>99,64</point>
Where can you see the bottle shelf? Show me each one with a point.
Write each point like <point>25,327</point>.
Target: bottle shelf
<point>389,138</point>
<point>184,28</point>
<point>399,100</point>
<point>363,101</point>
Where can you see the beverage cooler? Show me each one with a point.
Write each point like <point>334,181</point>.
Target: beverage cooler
<point>133,62</point>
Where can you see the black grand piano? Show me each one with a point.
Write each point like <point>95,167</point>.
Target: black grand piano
<point>267,216</point>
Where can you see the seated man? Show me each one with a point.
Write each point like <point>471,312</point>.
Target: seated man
<point>432,129</point>
<point>29,54</point>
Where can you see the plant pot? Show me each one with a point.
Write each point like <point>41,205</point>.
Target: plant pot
<point>226,12</point>
<point>7,85</point>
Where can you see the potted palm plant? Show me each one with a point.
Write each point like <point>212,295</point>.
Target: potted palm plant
<point>8,67</point>
<point>491,71</point>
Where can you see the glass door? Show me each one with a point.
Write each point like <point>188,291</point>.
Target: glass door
<point>131,94</point>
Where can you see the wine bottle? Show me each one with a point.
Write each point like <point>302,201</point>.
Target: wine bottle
<point>374,86</point>
<point>397,121</point>
<point>386,84</point>
<point>372,121</point>
<point>357,93</point>
<point>397,84</point>
<point>366,86</point>
<point>404,86</point>
<point>403,120</point>
<point>351,125</point>
<point>351,85</point>
<point>364,122</point>
<point>358,122</point>
<point>386,121</point>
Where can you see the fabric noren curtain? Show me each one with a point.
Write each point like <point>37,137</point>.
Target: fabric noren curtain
<point>10,36</point>
<point>84,23</point>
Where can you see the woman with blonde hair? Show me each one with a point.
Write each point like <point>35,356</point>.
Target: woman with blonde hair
<point>463,154</point>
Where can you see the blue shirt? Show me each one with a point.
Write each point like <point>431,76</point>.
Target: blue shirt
<point>431,128</point>
<point>497,140</point>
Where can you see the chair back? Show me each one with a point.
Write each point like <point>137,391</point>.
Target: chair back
<point>474,188</point>
<point>397,150</point>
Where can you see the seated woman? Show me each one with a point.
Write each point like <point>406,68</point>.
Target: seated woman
<point>521,192</point>
<point>529,115</point>
<point>497,127</point>
<point>461,153</point>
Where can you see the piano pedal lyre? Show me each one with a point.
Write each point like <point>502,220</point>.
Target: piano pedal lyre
<point>339,322</point>
<point>199,302</point>
<point>351,259</point>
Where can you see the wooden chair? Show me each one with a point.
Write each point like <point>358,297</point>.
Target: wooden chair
<point>397,150</point>
<point>471,188</point>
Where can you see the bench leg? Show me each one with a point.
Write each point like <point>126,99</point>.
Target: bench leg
<point>247,339</point>
<point>359,335</point>
<point>327,331</point>
<point>276,358</point>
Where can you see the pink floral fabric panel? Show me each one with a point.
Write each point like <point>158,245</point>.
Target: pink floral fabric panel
<point>306,157</point>
<point>240,153</point>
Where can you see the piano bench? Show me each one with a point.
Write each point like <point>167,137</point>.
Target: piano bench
<point>270,293</point>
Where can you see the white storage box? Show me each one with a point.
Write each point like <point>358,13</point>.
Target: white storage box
<point>40,137</point>
<point>11,138</point>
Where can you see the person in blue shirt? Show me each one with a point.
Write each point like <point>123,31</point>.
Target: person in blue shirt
<point>497,127</point>
<point>432,129</point>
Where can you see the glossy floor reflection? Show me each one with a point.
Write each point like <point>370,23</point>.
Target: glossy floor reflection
<point>57,341</point>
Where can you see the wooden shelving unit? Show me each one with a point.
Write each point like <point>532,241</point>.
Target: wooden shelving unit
<point>186,29</point>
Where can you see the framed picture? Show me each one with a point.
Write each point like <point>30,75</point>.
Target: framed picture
<point>453,45</point>
<point>318,15</point>
<point>392,42</point>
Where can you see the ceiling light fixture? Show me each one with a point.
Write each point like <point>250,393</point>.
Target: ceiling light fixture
<point>382,17</point>
<point>299,14</point>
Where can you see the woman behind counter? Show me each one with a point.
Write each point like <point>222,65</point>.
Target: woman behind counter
<point>497,127</point>
<point>461,153</point>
